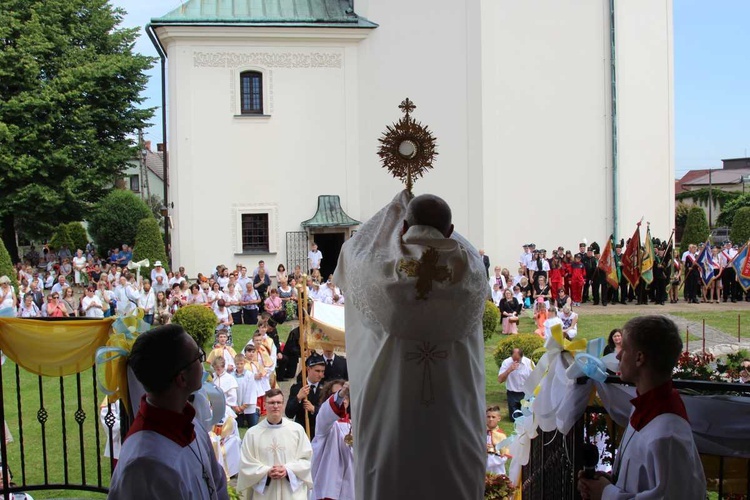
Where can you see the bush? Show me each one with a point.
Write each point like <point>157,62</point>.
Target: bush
<point>740,232</point>
<point>490,319</point>
<point>681,211</point>
<point>149,245</point>
<point>729,209</point>
<point>115,219</point>
<point>78,236</point>
<point>61,238</point>
<point>529,342</point>
<point>6,266</point>
<point>200,323</point>
<point>696,229</point>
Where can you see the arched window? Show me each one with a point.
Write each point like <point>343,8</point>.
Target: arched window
<point>251,99</point>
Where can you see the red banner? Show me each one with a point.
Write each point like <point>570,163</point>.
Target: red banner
<point>608,266</point>
<point>631,266</point>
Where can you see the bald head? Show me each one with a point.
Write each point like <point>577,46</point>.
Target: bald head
<point>429,210</point>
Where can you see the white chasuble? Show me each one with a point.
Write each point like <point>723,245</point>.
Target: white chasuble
<point>416,359</point>
<point>266,445</point>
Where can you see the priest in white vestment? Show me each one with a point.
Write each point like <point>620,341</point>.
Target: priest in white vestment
<point>275,459</point>
<point>333,460</point>
<point>415,297</point>
<point>657,457</point>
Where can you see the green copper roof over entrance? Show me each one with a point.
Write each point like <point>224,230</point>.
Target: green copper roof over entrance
<point>327,13</point>
<point>330,214</point>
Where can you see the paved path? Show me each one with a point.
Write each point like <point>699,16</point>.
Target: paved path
<point>717,341</point>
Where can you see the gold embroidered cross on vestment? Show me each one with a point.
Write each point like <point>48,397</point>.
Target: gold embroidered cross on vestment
<point>426,271</point>
<point>426,355</point>
<point>275,448</point>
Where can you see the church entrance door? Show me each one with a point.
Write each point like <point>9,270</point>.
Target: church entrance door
<point>329,245</point>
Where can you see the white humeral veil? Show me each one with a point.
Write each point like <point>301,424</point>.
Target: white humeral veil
<point>416,367</point>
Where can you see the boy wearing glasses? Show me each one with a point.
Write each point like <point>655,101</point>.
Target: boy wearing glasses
<point>167,453</point>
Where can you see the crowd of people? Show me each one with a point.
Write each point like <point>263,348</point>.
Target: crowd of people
<point>566,278</point>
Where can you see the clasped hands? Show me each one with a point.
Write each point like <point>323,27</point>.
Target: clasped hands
<point>277,472</point>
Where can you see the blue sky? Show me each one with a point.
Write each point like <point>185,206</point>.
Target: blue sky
<point>711,77</point>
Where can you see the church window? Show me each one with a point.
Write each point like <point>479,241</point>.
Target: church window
<point>251,97</point>
<point>255,232</point>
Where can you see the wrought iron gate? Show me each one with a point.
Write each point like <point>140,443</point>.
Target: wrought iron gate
<point>58,441</point>
<point>296,250</point>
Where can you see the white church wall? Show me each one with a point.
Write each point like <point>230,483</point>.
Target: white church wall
<point>546,134</point>
<point>645,109</point>
<point>224,165</point>
<point>421,50</point>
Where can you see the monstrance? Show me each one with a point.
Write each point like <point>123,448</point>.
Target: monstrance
<point>407,148</point>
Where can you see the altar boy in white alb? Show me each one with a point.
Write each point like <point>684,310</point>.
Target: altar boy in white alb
<point>415,296</point>
<point>657,457</point>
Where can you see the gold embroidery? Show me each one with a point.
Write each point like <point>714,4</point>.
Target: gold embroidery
<point>426,271</point>
<point>426,355</point>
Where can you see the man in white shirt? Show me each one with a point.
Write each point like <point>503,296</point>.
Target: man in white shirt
<point>91,305</point>
<point>158,270</point>
<point>60,286</point>
<point>513,372</point>
<point>314,258</point>
<point>160,284</point>
<point>525,257</point>
<point>657,456</point>
<point>243,279</point>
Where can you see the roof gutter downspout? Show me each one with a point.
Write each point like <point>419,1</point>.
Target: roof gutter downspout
<point>613,71</point>
<point>163,56</point>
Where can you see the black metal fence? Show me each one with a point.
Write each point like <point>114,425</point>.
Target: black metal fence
<point>296,250</point>
<point>57,438</point>
<point>555,459</point>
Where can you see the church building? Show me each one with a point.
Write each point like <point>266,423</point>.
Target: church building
<point>553,119</point>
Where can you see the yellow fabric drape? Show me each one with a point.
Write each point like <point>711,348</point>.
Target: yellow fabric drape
<point>53,348</point>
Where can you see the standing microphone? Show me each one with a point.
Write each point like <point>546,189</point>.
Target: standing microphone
<point>590,459</point>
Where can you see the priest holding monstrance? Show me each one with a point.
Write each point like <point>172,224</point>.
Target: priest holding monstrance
<point>415,297</point>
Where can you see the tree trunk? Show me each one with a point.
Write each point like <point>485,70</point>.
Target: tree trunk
<point>9,236</point>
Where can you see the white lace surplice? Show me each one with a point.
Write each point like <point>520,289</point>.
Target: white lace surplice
<point>416,365</point>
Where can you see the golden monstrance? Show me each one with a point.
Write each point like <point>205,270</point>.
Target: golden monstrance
<point>407,148</point>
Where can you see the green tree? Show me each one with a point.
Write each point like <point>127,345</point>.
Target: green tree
<point>6,266</point>
<point>149,244</point>
<point>696,228</point>
<point>681,211</point>
<point>78,236</point>
<point>730,208</point>
<point>61,238</point>
<point>115,219</point>
<point>70,86</point>
<point>199,322</point>
<point>740,232</point>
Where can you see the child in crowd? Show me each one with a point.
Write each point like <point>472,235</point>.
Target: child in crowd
<point>222,350</point>
<point>540,316</point>
<point>496,456</point>
<point>551,321</point>
<point>259,359</point>
<point>247,394</point>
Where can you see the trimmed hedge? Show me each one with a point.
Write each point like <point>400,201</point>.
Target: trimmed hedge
<point>490,319</point>
<point>115,219</point>
<point>696,229</point>
<point>61,238</point>
<point>200,323</point>
<point>6,266</point>
<point>149,245</point>
<point>78,236</point>
<point>530,343</point>
<point>740,232</point>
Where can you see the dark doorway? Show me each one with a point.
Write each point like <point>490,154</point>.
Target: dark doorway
<point>329,245</point>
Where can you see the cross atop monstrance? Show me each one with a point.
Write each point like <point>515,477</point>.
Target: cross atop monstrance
<point>407,149</point>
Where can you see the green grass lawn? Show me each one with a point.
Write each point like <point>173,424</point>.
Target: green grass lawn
<point>724,321</point>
